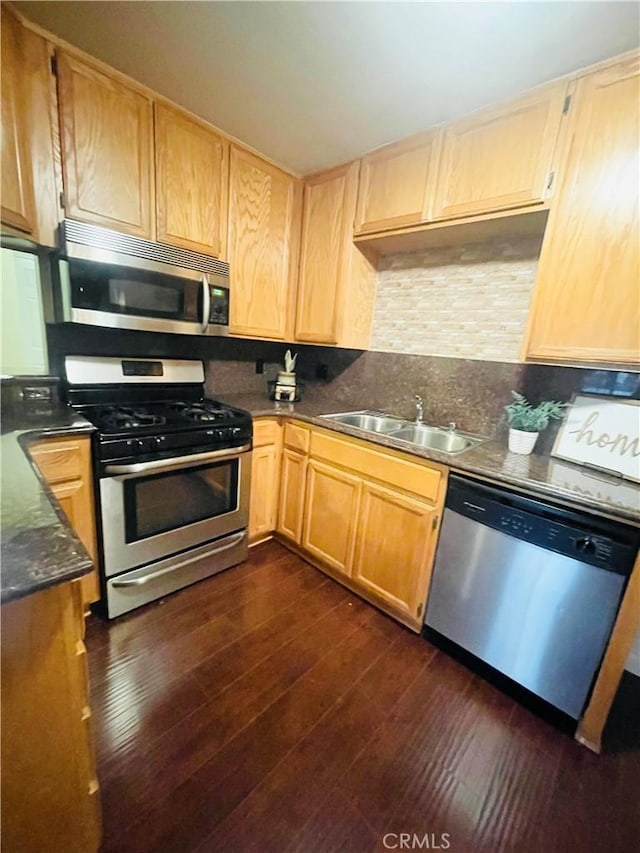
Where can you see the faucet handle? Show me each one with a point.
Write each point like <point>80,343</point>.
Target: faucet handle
<point>418,398</point>
<point>452,426</point>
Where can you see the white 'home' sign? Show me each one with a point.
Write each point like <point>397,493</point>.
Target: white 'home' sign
<point>602,432</point>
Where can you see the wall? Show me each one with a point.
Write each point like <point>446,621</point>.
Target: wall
<point>467,301</point>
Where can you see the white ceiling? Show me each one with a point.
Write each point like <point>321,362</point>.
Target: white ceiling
<point>313,84</point>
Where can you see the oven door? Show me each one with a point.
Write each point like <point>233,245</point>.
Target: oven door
<point>152,510</point>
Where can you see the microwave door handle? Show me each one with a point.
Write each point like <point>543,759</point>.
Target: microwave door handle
<point>206,303</point>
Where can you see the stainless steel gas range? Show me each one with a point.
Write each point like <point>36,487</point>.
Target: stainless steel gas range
<point>173,473</point>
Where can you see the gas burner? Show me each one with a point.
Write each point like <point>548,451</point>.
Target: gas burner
<point>202,412</point>
<point>123,417</point>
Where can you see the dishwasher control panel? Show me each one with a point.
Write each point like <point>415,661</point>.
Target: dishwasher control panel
<point>586,538</point>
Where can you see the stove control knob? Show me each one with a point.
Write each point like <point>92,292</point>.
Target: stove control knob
<point>236,431</point>
<point>140,445</point>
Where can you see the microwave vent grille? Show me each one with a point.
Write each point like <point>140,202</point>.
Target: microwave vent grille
<point>95,237</point>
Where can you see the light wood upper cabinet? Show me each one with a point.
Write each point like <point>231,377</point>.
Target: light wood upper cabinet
<point>336,282</point>
<point>18,204</point>
<point>327,224</point>
<point>262,247</point>
<point>586,302</point>
<point>500,158</point>
<point>397,183</point>
<point>192,169</point>
<point>396,544</point>
<point>107,145</point>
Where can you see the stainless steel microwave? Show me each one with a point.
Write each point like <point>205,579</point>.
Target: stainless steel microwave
<point>105,278</point>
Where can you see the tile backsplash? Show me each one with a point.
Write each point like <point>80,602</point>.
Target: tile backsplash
<point>467,301</point>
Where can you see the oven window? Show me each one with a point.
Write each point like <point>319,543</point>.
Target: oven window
<point>163,502</point>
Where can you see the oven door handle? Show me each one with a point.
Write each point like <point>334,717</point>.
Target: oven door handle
<point>237,539</point>
<point>158,465</point>
<point>206,303</point>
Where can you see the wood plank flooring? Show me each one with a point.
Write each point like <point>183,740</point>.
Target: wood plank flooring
<point>269,709</point>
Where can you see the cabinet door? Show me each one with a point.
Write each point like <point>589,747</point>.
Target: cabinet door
<point>586,303</point>
<point>331,510</point>
<point>18,205</point>
<point>106,149</point>
<point>65,464</point>
<point>265,479</point>
<point>500,158</point>
<point>50,793</point>
<point>261,210</point>
<point>327,227</point>
<point>293,479</point>
<point>397,183</point>
<point>395,549</point>
<point>192,169</point>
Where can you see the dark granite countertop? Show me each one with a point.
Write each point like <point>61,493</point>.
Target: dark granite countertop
<point>540,475</point>
<point>38,547</point>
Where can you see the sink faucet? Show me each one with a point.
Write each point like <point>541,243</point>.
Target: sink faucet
<point>419,409</point>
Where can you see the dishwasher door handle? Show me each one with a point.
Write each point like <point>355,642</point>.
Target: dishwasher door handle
<point>474,506</point>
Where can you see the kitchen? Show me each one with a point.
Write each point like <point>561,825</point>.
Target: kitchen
<point>389,280</point>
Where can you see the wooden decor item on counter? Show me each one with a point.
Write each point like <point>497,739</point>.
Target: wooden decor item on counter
<point>602,433</point>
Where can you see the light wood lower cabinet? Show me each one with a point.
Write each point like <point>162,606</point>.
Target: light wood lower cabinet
<point>367,516</point>
<point>50,793</point>
<point>65,463</point>
<point>265,479</point>
<point>292,488</point>
<point>331,515</point>
<point>394,554</point>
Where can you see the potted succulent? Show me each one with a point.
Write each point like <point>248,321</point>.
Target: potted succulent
<point>526,422</point>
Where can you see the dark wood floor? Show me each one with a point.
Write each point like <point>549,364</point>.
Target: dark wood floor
<point>268,709</point>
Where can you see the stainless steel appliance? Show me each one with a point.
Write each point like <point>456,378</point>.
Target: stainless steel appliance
<point>173,475</point>
<point>529,588</point>
<point>110,279</point>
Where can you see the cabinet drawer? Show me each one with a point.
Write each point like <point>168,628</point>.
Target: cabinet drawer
<point>59,460</point>
<point>265,432</point>
<point>297,438</point>
<point>424,479</point>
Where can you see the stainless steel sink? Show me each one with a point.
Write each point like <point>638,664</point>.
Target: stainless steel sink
<point>368,421</point>
<point>449,441</point>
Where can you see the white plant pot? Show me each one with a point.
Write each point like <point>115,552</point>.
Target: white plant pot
<point>521,441</point>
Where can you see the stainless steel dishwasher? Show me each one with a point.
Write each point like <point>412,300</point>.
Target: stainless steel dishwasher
<point>530,588</point>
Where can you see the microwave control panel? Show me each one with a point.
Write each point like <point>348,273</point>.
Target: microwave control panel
<point>219,310</point>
